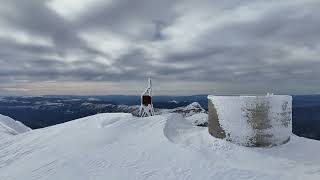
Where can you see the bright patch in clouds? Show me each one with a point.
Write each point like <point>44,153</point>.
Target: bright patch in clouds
<point>107,42</point>
<point>71,9</point>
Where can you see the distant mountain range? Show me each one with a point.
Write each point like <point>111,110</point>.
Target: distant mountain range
<point>39,112</point>
<point>43,111</point>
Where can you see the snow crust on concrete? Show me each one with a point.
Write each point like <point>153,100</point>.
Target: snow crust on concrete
<point>280,107</point>
<point>233,117</point>
<point>119,146</point>
<point>229,112</point>
<point>9,126</point>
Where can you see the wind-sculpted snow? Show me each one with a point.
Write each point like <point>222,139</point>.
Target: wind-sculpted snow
<point>167,147</point>
<point>10,127</point>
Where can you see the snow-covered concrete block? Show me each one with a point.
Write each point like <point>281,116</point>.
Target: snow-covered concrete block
<point>251,120</point>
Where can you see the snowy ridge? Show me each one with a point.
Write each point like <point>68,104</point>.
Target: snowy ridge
<point>9,127</point>
<point>134,109</point>
<point>193,113</point>
<point>189,110</point>
<point>165,147</point>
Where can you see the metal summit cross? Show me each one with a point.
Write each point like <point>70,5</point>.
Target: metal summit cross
<point>146,108</point>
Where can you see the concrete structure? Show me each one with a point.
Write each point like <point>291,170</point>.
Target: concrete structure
<point>251,120</point>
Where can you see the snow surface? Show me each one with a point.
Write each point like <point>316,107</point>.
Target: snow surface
<point>9,127</point>
<point>120,147</point>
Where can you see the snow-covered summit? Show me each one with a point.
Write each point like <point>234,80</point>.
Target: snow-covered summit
<point>120,146</point>
<point>9,126</point>
<point>189,110</point>
<point>194,105</point>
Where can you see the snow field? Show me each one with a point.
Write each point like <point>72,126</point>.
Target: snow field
<point>119,146</point>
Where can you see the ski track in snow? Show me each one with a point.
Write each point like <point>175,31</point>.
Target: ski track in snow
<point>120,146</point>
<point>44,170</point>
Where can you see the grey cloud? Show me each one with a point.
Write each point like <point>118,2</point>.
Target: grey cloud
<point>127,17</point>
<point>274,50</point>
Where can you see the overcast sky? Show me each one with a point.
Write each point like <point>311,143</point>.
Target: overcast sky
<point>101,47</point>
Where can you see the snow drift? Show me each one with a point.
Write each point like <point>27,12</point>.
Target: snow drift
<point>9,127</point>
<point>165,147</point>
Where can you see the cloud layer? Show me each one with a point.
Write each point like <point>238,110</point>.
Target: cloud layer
<point>188,47</point>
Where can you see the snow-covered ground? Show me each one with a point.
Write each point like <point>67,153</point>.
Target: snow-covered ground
<point>120,147</point>
<point>10,127</point>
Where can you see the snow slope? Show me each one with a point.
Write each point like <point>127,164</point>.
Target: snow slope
<point>10,127</point>
<point>121,147</point>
